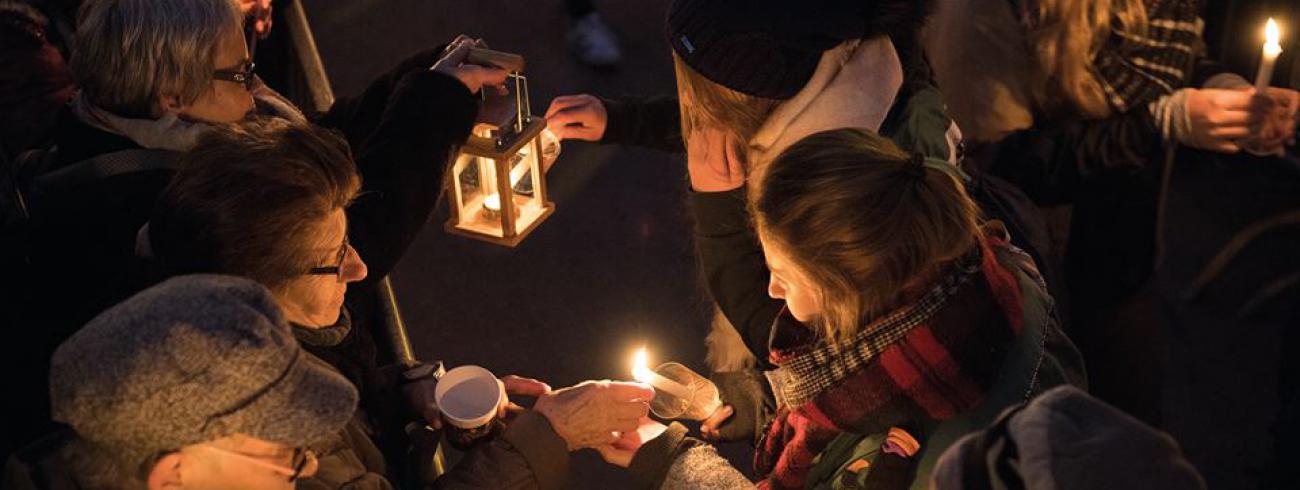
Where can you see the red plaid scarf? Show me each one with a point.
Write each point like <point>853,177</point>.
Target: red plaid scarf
<point>925,362</point>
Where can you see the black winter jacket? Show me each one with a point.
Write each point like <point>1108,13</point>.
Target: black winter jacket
<point>402,128</point>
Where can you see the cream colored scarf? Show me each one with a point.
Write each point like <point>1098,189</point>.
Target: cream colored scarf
<point>854,86</point>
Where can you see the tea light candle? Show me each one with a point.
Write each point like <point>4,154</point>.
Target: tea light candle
<point>492,202</point>
<point>1272,49</point>
<point>641,372</point>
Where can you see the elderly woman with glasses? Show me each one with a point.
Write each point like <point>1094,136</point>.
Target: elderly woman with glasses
<point>268,200</point>
<point>154,76</point>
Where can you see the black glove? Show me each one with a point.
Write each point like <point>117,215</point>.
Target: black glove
<point>750,397</point>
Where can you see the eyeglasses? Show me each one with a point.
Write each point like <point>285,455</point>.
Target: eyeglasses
<point>302,457</point>
<point>243,77</point>
<point>335,270</point>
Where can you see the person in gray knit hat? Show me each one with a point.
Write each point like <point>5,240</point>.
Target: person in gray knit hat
<point>194,383</point>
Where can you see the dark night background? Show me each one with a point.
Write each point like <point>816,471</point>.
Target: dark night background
<point>614,267</point>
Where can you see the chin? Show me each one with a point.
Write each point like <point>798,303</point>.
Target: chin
<point>803,317</point>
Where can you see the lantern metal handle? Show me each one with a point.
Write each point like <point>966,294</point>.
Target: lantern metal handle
<point>523,107</point>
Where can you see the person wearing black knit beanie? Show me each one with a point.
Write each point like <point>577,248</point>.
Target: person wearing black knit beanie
<point>767,73</point>
<point>753,78</point>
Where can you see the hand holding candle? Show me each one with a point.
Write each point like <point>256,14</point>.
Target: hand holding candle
<point>1274,108</point>
<point>682,392</point>
<point>641,372</point>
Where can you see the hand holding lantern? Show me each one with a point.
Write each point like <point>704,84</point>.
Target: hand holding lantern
<point>497,190</point>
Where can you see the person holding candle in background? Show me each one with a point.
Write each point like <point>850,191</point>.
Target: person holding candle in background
<point>1075,102</point>
<point>908,322</point>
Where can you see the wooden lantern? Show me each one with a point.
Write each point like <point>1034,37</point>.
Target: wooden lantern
<point>498,193</point>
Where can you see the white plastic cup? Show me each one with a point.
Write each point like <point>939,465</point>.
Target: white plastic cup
<point>469,397</point>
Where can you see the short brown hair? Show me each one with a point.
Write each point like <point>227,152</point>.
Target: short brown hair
<point>249,197</point>
<point>862,221</point>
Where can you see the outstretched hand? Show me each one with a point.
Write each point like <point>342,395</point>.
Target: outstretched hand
<point>581,117</point>
<point>595,413</point>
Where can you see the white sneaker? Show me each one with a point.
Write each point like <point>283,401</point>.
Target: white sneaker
<point>593,42</point>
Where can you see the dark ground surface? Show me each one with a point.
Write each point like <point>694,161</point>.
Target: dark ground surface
<point>614,267</point>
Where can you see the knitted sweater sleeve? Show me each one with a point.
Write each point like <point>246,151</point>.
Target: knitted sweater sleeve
<point>673,461</point>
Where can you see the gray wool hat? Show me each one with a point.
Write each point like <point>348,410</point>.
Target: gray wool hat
<point>194,359</point>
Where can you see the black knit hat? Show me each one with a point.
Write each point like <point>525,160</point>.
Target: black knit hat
<point>770,48</point>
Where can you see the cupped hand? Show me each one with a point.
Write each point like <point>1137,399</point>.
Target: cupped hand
<point>595,413</point>
<point>714,160</point>
<point>581,117</point>
<point>710,428</point>
<point>1273,121</point>
<point>519,386</point>
<point>622,450</point>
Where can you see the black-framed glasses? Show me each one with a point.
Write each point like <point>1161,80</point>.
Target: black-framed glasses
<point>337,269</point>
<point>243,76</point>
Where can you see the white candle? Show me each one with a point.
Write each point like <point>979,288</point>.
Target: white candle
<point>492,202</point>
<point>641,372</point>
<point>1271,51</point>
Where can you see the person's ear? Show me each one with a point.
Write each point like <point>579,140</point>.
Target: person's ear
<point>166,473</point>
<point>170,103</point>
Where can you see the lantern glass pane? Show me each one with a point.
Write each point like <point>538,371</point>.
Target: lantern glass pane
<point>523,177</point>
<point>476,185</point>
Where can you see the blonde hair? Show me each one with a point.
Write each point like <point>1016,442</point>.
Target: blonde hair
<point>705,103</point>
<point>865,224</point>
<point>1068,35</point>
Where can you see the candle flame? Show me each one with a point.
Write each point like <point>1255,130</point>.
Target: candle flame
<point>1271,33</point>
<point>640,366</point>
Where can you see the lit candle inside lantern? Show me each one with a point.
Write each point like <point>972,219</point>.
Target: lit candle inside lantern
<point>641,372</point>
<point>1272,49</point>
<point>492,202</point>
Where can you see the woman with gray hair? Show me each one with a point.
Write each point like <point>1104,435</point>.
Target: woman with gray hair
<point>154,76</point>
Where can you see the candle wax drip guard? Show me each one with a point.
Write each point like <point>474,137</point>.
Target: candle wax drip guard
<point>701,403</point>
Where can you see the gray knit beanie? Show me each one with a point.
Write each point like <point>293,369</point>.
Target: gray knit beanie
<point>194,359</point>
<point>771,48</point>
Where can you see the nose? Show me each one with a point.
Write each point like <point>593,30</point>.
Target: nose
<point>774,288</point>
<point>354,269</point>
